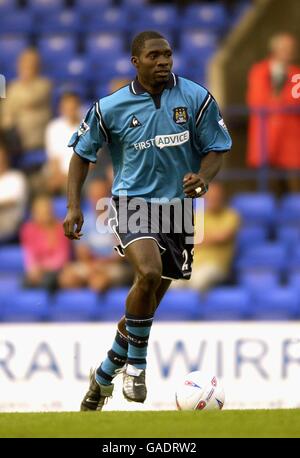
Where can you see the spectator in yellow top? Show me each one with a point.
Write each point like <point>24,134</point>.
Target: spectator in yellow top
<point>213,256</point>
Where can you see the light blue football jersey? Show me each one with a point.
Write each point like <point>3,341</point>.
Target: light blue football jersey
<point>153,140</point>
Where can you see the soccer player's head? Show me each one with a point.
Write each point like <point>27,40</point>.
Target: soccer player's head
<point>152,57</point>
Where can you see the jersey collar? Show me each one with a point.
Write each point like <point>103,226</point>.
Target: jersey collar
<point>136,88</point>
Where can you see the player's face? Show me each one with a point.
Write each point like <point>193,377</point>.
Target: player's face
<point>154,64</point>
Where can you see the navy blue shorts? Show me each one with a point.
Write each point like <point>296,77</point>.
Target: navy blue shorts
<point>173,231</point>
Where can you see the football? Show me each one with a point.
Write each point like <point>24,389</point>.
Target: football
<point>199,391</point>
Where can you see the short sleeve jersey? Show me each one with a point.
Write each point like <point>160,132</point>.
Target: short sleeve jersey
<point>153,140</point>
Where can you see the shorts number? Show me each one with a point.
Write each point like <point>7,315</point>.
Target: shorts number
<point>186,263</point>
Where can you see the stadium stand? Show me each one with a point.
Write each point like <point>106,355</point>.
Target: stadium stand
<point>172,308</point>
<point>24,306</point>
<point>74,305</point>
<point>74,39</point>
<point>275,304</point>
<point>226,303</point>
<point>255,208</point>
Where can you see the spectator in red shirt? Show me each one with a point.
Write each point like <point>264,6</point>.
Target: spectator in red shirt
<point>270,87</point>
<point>46,249</point>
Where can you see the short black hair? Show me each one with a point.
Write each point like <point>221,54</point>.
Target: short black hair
<point>139,40</point>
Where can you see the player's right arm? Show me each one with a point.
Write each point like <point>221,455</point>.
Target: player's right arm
<point>78,171</point>
<point>85,142</point>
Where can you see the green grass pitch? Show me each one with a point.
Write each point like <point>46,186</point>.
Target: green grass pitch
<point>167,424</point>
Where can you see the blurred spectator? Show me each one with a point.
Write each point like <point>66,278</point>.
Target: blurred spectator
<point>213,257</point>
<point>97,265</point>
<point>58,134</point>
<point>27,105</point>
<point>270,87</point>
<point>13,197</point>
<point>46,249</point>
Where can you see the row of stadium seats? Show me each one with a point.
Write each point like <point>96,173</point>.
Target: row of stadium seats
<point>262,216</point>
<point>53,16</point>
<point>260,213</point>
<point>276,256</point>
<point>75,38</point>
<point>262,208</point>
<point>271,256</point>
<point>61,61</point>
<point>252,279</point>
<point>100,44</point>
<point>224,303</point>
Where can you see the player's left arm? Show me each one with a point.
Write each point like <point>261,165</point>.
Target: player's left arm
<point>213,140</point>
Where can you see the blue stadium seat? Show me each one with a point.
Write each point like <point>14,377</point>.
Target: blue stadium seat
<point>91,6</point>
<point>104,45</point>
<point>10,49</point>
<point>113,306</point>
<point>76,69</point>
<point>294,279</point>
<point>179,305</point>
<point>32,159</point>
<point>226,303</point>
<point>72,69</point>
<point>119,67</point>
<point>74,305</point>
<point>45,6</point>
<point>107,20</point>
<point>60,206</point>
<point>199,76</point>
<point>10,282</point>
<point>289,235</point>
<point>101,90</point>
<point>258,279</point>
<point>294,259</point>
<point>26,306</point>
<point>205,17</point>
<point>57,47</point>
<point>157,17</point>
<point>134,5</point>
<point>56,22</point>
<point>180,65</point>
<point>6,6</point>
<point>255,208</point>
<point>176,305</point>
<point>198,45</point>
<point>11,259</point>
<point>122,67</point>
<point>16,22</point>
<point>276,304</point>
<point>264,255</point>
<point>289,210</point>
<point>251,235</point>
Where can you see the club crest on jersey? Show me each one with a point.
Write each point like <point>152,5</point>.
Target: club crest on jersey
<point>83,128</point>
<point>180,115</point>
<point>135,122</point>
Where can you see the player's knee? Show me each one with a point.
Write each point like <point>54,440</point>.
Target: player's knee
<point>149,278</point>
